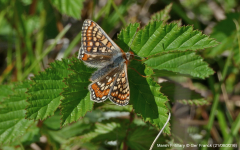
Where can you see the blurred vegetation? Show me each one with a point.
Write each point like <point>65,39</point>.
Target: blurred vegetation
<point>34,34</point>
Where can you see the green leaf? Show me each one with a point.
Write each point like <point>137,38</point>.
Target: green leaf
<point>163,14</point>
<point>146,97</point>
<point>12,121</point>
<point>224,35</point>
<point>76,102</point>
<point>141,138</point>
<point>158,37</point>
<point>59,136</point>
<point>6,90</point>
<point>44,94</point>
<point>71,8</point>
<point>236,55</point>
<point>176,92</point>
<point>181,62</point>
<point>165,73</point>
<point>126,35</point>
<point>109,130</point>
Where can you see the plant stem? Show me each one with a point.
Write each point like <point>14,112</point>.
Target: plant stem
<point>40,36</point>
<point>222,122</point>
<point>72,45</point>
<point>233,133</point>
<point>215,101</point>
<point>125,147</point>
<point>45,52</point>
<point>18,60</point>
<point>119,14</point>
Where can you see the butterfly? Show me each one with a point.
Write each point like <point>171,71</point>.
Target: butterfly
<point>99,51</point>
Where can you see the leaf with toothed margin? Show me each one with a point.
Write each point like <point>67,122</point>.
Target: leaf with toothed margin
<point>146,97</point>
<point>44,94</point>
<point>181,62</point>
<point>76,102</point>
<point>141,137</point>
<point>157,37</point>
<point>12,118</point>
<point>162,14</point>
<point>126,35</point>
<point>5,91</point>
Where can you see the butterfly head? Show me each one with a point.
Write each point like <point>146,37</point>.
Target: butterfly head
<point>130,55</point>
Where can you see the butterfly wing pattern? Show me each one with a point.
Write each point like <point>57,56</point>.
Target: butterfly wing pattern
<point>99,51</point>
<point>120,93</point>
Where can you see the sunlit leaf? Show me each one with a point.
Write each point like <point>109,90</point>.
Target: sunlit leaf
<point>76,102</point>
<point>181,62</point>
<point>44,94</point>
<point>6,90</point>
<point>159,37</point>
<point>12,118</point>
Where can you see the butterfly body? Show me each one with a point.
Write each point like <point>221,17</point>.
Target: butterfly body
<point>99,51</point>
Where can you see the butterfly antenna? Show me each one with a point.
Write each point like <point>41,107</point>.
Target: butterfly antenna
<point>160,131</point>
<point>138,72</point>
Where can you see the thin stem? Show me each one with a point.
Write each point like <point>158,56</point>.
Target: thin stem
<point>222,122</point>
<point>119,14</point>
<point>48,49</point>
<point>233,133</point>
<point>40,35</point>
<point>72,45</point>
<point>238,37</point>
<point>9,52</point>
<point>215,101</point>
<point>125,147</point>
<point>18,60</point>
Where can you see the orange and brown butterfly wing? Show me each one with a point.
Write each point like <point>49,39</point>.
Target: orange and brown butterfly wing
<point>99,90</point>
<point>120,92</point>
<point>97,48</point>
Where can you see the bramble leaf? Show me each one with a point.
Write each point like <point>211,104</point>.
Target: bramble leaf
<point>126,35</point>
<point>44,94</point>
<point>71,8</point>
<point>76,102</point>
<point>146,97</point>
<point>181,62</point>
<point>141,138</point>
<point>157,37</point>
<point>107,131</point>
<point>6,90</point>
<point>12,121</point>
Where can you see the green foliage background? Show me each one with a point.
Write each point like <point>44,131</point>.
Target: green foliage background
<point>44,98</point>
